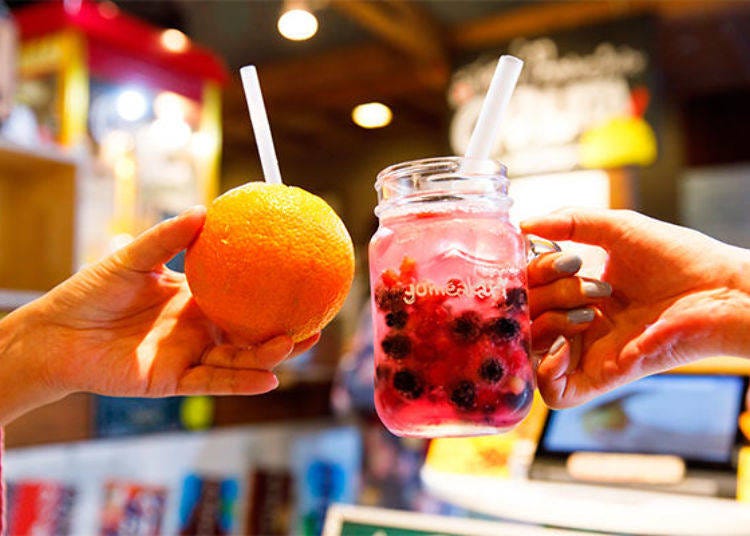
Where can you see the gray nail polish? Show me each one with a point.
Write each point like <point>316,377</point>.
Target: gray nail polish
<point>568,263</point>
<point>581,316</point>
<point>559,341</point>
<point>596,289</point>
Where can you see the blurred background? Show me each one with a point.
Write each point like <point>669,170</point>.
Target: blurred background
<point>116,115</point>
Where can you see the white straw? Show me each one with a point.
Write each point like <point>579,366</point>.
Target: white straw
<point>261,128</point>
<point>495,103</point>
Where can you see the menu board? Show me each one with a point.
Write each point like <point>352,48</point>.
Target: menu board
<point>586,99</point>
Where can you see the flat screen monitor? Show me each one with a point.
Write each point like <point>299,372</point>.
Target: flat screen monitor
<point>694,417</point>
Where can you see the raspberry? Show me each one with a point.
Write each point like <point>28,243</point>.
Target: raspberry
<point>389,299</point>
<point>488,398</point>
<point>397,346</point>
<point>465,328</point>
<point>516,298</point>
<point>408,269</point>
<point>408,384</point>
<point>464,395</point>
<point>429,320</point>
<point>382,373</point>
<point>396,319</point>
<point>503,329</point>
<point>389,278</point>
<point>491,370</point>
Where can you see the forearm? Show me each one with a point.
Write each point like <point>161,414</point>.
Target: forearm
<point>22,385</point>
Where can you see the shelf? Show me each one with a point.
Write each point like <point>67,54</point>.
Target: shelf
<point>37,217</point>
<point>300,401</point>
<point>71,419</point>
<point>44,155</point>
<point>60,422</point>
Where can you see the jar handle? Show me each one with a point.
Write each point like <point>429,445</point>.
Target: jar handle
<point>536,245</point>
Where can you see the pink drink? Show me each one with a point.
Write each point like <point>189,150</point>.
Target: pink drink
<point>451,318</point>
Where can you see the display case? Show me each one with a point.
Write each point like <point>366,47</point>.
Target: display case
<point>139,104</point>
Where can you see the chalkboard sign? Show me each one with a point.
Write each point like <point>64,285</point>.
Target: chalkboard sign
<point>349,520</point>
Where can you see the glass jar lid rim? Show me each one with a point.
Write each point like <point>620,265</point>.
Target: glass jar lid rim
<point>452,164</point>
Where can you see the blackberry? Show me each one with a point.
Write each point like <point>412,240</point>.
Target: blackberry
<point>389,299</point>
<point>464,395</point>
<point>396,319</point>
<point>517,402</point>
<point>516,298</point>
<point>408,384</point>
<point>397,346</point>
<point>466,327</point>
<point>491,370</point>
<point>502,328</point>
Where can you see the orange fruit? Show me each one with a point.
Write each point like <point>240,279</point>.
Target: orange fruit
<point>745,424</point>
<point>271,259</point>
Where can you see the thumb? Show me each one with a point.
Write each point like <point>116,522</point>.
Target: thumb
<point>584,225</point>
<point>163,241</point>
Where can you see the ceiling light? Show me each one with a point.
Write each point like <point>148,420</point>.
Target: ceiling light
<point>174,40</point>
<point>372,115</point>
<point>297,24</point>
<point>131,105</point>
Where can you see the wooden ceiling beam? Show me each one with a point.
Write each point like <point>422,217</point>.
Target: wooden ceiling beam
<point>342,78</point>
<point>548,17</point>
<point>398,23</point>
<point>535,19</point>
<point>686,9</point>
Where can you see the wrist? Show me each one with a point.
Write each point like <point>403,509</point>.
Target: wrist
<point>734,322</point>
<point>22,356</point>
<point>740,276</point>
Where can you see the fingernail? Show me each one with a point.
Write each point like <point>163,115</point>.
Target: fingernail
<point>581,316</point>
<point>278,347</point>
<point>272,384</point>
<point>568,263</point>
<point>596,289</point>
<point>195,209</point>
<point>559,341</point>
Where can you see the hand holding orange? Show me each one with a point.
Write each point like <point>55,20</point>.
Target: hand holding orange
<point>271,259</point>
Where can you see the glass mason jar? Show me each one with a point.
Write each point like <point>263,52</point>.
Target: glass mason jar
<point>449,300</point>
